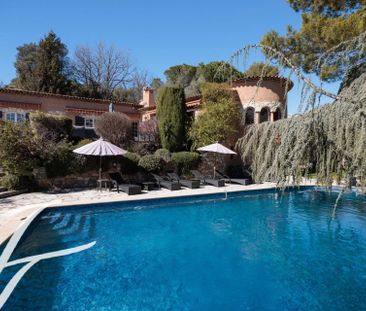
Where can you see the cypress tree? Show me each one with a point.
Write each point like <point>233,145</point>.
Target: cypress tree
<point>172,117</point>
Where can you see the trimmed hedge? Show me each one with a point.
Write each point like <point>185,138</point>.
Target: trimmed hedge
<point>185,161</point>
<point>164,154</point>
<point>151,163</point>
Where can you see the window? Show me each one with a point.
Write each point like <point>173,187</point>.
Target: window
<point>15,117</point>
<point>135,132</point>
<point>249,116</point>
<point>277,114</point>
<point>89,123</point>
<point>79,121</point>
<point>10,116</point>
<point>264,115</point>
<point>20,117</point>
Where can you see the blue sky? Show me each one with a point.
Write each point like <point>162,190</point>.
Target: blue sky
<point>158,34</point>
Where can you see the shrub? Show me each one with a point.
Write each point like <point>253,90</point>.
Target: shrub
<point>130,163</point>
<point>163,154</point>
<point>150,163</point>
<point>217,122</point>
<point>143,148</point>
<point>215,93</point>
<point>18,182</point>
<point>115,127</point>
<point>172,118</point>
<point>52,127</point>
<point>149,131</point>
<point>17,149</point>
<point>185,161</point>
<point>58,159</point>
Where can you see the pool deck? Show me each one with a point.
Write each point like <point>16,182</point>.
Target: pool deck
<point>15,210</point>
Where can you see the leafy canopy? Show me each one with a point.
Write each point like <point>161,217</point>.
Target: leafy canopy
<point>180,75</point>
<point>218,72</point>
<point>43,66</point>
<point>325,24</point>
<point>261,69</point>
<point>327,7</point>
<point>191,77</point>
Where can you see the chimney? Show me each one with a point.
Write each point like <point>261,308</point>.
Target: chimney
<point>148,97</point>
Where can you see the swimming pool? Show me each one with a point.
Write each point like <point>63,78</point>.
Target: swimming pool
<point>254,251</point>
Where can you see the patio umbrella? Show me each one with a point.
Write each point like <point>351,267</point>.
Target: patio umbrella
<point>217,149</point>
<point>100,148</point>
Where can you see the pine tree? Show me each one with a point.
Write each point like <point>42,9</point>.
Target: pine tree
<point>325,25</point>
<point>172,118</point>
<point>52,64</point>
<point>43,66</point>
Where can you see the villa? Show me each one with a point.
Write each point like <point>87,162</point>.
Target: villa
<point>15,106</point>
<point>260,103</point>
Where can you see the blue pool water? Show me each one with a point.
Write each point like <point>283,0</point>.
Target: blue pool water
<point>259,251</point>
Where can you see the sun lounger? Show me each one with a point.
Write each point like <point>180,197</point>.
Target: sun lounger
<point>192,184</point>
<point>206,180</point>
<point>171,185</point>
<point>120,185</point>
<point>241,181</point>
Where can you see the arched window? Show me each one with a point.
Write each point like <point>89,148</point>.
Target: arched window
<point>277,114</point>
<point>249,115</point>
<point>264,115</point>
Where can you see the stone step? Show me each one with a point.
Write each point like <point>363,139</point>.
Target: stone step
<point>10,193</point>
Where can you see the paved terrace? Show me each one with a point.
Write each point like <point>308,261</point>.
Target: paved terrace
<point>14,210</point>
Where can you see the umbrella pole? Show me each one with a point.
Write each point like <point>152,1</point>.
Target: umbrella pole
<point>214,173</point>
<point>100,167</point>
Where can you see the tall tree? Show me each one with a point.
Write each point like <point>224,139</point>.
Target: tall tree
<point>261,69</point>
<point>102,70</point>
<point>218,72</point>
<point>25,66</point>
<point>43,66</point>
<point>51,69</point>
<point>180,75</point>
<point>191,77</point>
<point>172,117</point>
<point>327,7</point>
<point>133,91</point>
<point>156,84</point>
<point>325,25</point>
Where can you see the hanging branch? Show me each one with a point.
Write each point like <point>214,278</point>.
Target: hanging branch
<point>329,140</point>
<point>280,55</point>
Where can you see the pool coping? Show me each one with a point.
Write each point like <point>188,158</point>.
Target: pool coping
<point>186,197</point>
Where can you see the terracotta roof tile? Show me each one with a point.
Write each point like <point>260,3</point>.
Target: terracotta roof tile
<point>45,94</point>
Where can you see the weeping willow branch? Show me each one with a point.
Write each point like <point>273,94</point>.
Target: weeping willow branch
<point>329,141</point>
